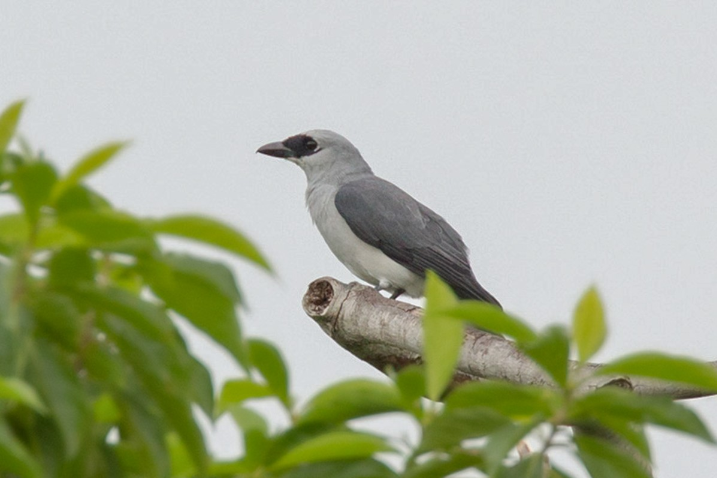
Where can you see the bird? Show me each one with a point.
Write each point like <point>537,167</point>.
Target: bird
<point>378,231</point>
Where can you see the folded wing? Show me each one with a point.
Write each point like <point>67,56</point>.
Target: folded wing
<point>386,217</point>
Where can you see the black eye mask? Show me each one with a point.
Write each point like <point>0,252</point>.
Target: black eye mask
<point>301,145</point>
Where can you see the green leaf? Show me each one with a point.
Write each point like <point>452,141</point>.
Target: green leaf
<point>617,429</point>
<point>31,183</point>
<point>664,412</point>
<point>57,317</point>
<point>62,392</point>
<point>182,465</point>
<point>491,318</point>
<point>53,235</point>
<point>144,431</point>
<point>501,441</point>
<point>104,364</point>
<point>15,232</point>
<point>267,359</point>
<point>514,401</point>
<point>165,369</point>
<point>556,472</point>
<point>209,231</point>
<point>80,197</point>
<point>124,276</point>
<point>178,413</point>
<point>8,123</point>
<point>24,147</point>
<point>14,229</point>
<point>202,389</point>
<point>551,351</point>
<point>446,464</point>
<point>236,391</point>
<point>589,328</point>
<point>86,165</point>
<point>107,227</point>
<point>530,467</point>
<point>294,436</point>
<point>664,367</point>
<point>411,383</point>
<point>351,399</point>
<point>442,337</point>
<point>605,460</point>
<point>236,468</point>
<point>145,316</point>
<point>204,292</point>
<point>453,426</point>
<point>610,402</point>
<point>161,361</point>
<point>9,162</point>
<point>364,468</point>
<point>9,346</point>
<point>50,450</point>
<point>339,445</point>
<point>71,265</point>
<point>216,273</point>
<point>14,458</point>
<point>17,390</point>
<point>105,409</point>
<point>255,431</point>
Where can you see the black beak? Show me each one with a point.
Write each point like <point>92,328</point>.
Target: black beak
<point>278,150</point>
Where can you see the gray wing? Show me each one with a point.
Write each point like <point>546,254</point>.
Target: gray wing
<point>408,232</point>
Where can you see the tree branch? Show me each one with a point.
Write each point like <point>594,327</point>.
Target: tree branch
<point>388,334</point>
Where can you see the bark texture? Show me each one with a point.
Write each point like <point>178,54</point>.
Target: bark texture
<point>388,334</point>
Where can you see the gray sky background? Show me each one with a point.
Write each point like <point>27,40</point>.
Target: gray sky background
<point>569,143</point>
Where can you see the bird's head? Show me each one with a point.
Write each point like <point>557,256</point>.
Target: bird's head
<point>320,153</point>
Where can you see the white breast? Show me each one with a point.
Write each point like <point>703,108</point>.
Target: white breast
<point>364,261</point>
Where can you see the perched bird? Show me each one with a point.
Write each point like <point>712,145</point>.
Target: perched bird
<point>379,232</point>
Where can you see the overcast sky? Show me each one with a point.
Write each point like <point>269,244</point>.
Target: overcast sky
<point>569,145</point>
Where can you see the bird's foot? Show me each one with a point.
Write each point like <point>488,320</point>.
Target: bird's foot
<point>397,293</point>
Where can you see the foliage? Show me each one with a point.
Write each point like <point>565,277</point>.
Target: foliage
<point>608,424</point>
<point>95,379</point>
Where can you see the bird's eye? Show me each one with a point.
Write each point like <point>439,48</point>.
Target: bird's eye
<point>310,144</point>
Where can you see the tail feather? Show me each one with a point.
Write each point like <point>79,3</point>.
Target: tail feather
<point>476,292</point>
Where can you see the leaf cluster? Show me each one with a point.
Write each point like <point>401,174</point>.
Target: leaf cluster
<point>95,378</point>
<point>604,428</point>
